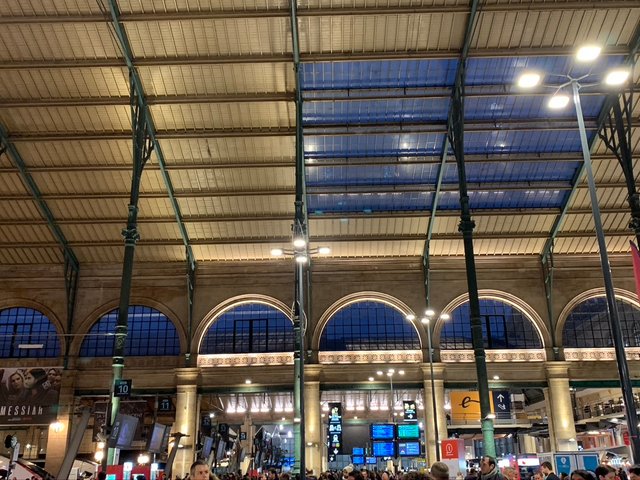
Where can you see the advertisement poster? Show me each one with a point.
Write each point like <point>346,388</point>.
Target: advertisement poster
<point>29,396</point>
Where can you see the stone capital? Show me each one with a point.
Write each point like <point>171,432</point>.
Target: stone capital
<point>557,369</point>
<point>438,371</point>
<point>187,376</point>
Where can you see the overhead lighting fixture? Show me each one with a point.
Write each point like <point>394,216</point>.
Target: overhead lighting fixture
<point>248,381</point>
<point>491,416</point>
<point>324,250</point>
<point>558,101</point>
<point>277,252</point>
<point>425,320</point>
<point>371,379</point>
<point>445,316</point>
<point>429,312</point>
<point>301,258</point>
<point>496,377</point>
<point>299,242</point>
<point>529,80</point>
<point>588,53</point>
<point>30,346</point>
<point>410,316</point>
<point>617,77</point>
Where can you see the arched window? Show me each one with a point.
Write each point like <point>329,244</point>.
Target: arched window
<point>249,328</point>
<point>503,327</point>
<point>150,333</point>
<point>27,333</point>
<point>369,325</point>
<point>587,326</point>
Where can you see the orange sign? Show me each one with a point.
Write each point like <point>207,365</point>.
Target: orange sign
<point>465,406</point>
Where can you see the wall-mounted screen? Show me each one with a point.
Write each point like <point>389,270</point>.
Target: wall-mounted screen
<point>383,431</point>
<point>357,459</point>
<point>358,451</point>
<point>408,430</point>
<point>384,449</point>
<point>409,449</point>
<point>371,460</point>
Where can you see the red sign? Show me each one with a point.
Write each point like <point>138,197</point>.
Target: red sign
<point>452,449</point>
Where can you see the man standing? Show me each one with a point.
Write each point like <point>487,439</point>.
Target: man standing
<point>489,469</point>
<point>547,470</point>
<point>199,470</point>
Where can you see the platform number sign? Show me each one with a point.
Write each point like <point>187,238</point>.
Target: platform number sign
<point>165,404</point>
<point>122,388</point>
<point>334,433</point>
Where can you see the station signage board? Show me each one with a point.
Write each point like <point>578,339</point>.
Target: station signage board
<point>334,430</point>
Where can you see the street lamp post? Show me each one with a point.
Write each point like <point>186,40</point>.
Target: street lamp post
<point>429,314</point>
<point>559,100</point>
<point>390,373</point>
<point>300,252</point>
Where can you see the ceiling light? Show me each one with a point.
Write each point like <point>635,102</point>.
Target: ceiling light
<point>558,101</point>
<point>410,316</point>
<point>379,372</point>
<point>371,379</point>
<point>277,252</point>
<point>301,258</point>
<point>324,250</point>
<point>299,242</point>
<point>529,80</point>
<point>425,320</point>
<point>491,416</point>
<point>429,312</point>
<point>400,372</point>
<point>445,316</point>
<point>496,377</point>
<point>617,77</point>
<point>588,53</point>
<point>248,381</point>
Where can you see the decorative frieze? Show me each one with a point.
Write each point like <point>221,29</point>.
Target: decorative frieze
<point>380,356</point>
<point>598,354</point>
<point>524,355</point>
<point>245,359</point>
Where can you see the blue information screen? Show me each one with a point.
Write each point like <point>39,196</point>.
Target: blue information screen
<point>408,430</point>
<point>358,451</point>
<point>357,460</point>
<point>372,460</point>
<point>382,431</point>
<point>384,449</point>
<point>409,449</point>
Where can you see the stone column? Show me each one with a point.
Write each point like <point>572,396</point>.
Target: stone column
<point>186,418</point>
<point>430,416</point>
<point>59,435</point>
<point>562,428</point>
<point>312,420</point>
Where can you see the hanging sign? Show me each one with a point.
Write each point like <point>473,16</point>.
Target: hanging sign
<point>334,431</point>
<point>410,413</point>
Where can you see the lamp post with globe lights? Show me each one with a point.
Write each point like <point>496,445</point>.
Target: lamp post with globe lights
<point>564,92</point>
<point>301,254</point>
<point>426,320</point>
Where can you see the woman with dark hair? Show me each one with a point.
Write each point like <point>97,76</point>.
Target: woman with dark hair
<point>582,475</point>
<point>39,391</point>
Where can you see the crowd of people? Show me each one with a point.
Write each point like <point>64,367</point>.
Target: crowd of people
<point>489,470</point>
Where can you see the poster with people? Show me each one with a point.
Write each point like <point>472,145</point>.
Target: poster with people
<point>29,396</point>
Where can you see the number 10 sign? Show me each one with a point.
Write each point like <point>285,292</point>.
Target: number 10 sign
<point>122,388</point>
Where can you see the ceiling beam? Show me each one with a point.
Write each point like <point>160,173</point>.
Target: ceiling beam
<point>211,14</point>
<point>283,240</point>
<point>305,57</point>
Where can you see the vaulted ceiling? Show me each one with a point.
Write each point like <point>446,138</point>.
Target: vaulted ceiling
<point>376,80</point>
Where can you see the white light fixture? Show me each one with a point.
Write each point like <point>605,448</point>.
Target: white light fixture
<point>410,316</point>
<point>379,372</point>
<point>324,250</point>
<point>248,381</point>
<point>588,53</point>
<point>491,416</point>
<point>355,418</point>
<point>212,415</point>
<point>57,426</point>
<point>98,456</point>
<point>529,80</point>
<point>301,258</point>
<point>400,372</point>
<point>371,379</point>
<point>277,252</point>
<point>299,242</point>
<point>558,101</point>
<point>31,346</point>
<point>143,459</point>
<point>289,434</point>
<point>496,377</point>
<point>617,77</point>
<point>425,320</point>
<point>101,445</point>
<point>391,371</point>
<point>447,406</point>
<point>296,420</point>
<point>445,316</point>
<point>429,312</point>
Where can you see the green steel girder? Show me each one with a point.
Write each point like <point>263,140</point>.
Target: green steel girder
<point>71,263</point>
<point>123,41</point>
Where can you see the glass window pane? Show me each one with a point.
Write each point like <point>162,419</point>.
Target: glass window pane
<point>21,326</point>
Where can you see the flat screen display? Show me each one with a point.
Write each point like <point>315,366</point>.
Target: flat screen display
<point>384,449</point>
<point>382,431</point>
<point>207,445</point>
<point>408,430</point>
<point>357,459</point>
<point>409,449</point>
<point>358,451</point>
<point>123,431</point>
<point>156,439</point>
<point>371,460</point>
